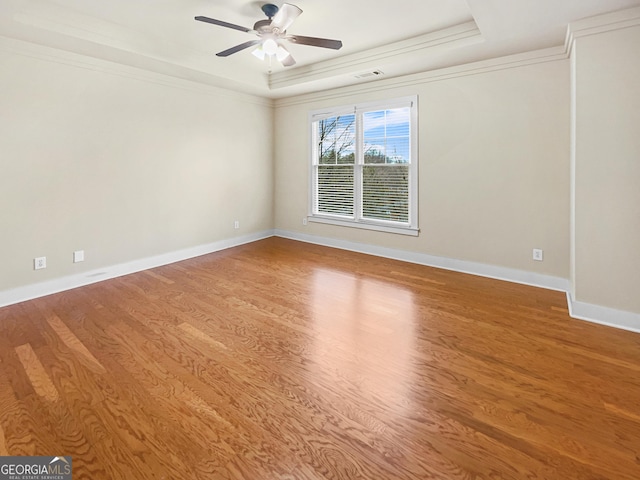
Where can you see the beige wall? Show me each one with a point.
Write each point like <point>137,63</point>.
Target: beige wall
<point>126,164</point>
<point>607,169</point>
<point>95,158</point>
<point>493,171</point>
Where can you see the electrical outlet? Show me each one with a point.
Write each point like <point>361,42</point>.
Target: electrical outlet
<point>39,263</point>
<point>304,220</point>
<point>236,224</point>
<point>537,254</point>
<point>78,256</point>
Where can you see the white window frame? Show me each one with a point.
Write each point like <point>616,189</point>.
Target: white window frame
<point>357,221</point>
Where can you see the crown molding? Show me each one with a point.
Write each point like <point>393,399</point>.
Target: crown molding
<point>76,60</point>
<point>600,24</point>
<point>552,54</point>
<point>351,64</point>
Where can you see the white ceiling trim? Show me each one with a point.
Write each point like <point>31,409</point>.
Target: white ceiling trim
<point>76,60</point>
<point>552,54</point>
<point>349,65</point>
<point>165,41</point>
<point>600,24</point>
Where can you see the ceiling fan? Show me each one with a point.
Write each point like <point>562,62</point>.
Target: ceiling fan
<point>271,33</point>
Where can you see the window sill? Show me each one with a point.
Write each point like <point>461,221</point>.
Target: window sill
<point>414,232</point>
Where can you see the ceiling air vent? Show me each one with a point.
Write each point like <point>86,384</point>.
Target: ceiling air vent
<point>373,73</point>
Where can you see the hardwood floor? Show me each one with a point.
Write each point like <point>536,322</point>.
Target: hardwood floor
<point>285,360</point>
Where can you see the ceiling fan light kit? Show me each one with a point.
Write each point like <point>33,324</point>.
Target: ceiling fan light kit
<point>272,33</point>
<point>270,46</point>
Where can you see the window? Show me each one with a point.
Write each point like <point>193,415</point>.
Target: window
<point>364,166</point>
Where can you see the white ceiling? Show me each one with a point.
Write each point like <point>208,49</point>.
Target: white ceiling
<point>401,37</point>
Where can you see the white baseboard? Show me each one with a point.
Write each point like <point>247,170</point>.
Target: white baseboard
<point>603,315</point>
<point>491,271</point>
<point>29,292</point>
<point>578,310</point>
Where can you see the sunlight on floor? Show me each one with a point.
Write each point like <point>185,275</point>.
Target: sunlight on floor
<point>374,318</point>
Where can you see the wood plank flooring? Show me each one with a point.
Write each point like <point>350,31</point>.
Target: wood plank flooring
<point>285,360</point>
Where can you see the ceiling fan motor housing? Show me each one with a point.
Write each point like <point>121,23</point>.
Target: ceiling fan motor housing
<point>262,26</point>
<point>270,10</point>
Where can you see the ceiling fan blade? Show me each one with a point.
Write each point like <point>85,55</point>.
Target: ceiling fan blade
<point>285,16</point>
<point>237,48</point>
<point>222,24</point>
<point>315,42</point>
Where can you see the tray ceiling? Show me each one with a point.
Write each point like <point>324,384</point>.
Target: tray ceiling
<point>402,37</point>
